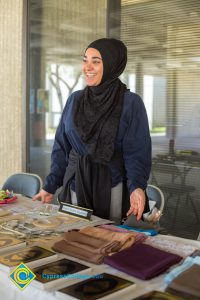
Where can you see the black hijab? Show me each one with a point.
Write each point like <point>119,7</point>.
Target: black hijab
<point>97,112</point>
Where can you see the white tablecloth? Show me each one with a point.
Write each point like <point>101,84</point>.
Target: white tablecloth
<point>8,290</point>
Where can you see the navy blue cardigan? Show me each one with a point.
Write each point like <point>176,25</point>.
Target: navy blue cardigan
<point>133,140</point>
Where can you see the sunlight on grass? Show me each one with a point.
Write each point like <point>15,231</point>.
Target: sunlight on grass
<point>158,130</point>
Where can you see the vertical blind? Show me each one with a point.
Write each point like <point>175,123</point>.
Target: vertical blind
<point>163,39</point>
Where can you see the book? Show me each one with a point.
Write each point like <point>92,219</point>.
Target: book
<point>153,295</point>
<point>9,243</point>
<point>31,256</point>
<point>103,286</point>
<point>57,272</point>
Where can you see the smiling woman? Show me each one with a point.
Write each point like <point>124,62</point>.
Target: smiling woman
<point>163,42</point>
<point>102,150</point>
<point>92,67</point>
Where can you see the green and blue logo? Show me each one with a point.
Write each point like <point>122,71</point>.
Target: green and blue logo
<point>22,276</point>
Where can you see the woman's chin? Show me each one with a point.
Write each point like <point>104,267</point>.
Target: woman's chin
<point>89,83</point>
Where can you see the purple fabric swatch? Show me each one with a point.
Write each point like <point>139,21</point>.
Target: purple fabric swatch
<point>142,261</point>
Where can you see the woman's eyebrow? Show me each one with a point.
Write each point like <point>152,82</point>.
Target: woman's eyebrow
<point>93,57</point>
<point>96,57</point>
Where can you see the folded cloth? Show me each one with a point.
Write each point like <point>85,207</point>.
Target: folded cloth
<point>142,261</point>
<point>139,236</point>
<point>114,228</point>
<point>187,263</point>
<point>132,221</point>
<point>196,253</point>
<point>90,243</point>
<point>148,232</point>
<point>187,283</point>
<point>125,239</point>
<point>171,246</point>
<point>85,247</point>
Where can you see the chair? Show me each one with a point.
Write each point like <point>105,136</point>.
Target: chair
<point>171,179</point>
<point>27,184</point>
<point>155,194</point>
<point>165,169</point>
<point>156,205</point>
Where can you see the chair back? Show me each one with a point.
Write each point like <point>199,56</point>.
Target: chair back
<point>26,184</point>
<point>165,170</point>
<point>155,194</point>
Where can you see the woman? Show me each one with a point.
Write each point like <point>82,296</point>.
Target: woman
<point>102,146</point>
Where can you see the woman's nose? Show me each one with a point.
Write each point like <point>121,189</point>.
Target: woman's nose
<point>88,66</point>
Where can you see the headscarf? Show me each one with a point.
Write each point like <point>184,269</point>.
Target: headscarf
<point>97,112</point>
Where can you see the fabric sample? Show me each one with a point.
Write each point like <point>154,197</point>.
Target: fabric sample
<point>148,232</point>
<point>187,283</point>
<point>188,262</point>
<point>125,239</point>
<point>139,236</point>
<point>85,247</point>
<point>181,249</point>
<point>142,261</point>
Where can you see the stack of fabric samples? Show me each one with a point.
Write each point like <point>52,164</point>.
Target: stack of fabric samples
<point>187,284</point>
<point>93,243</point>
<point>186,264</point>
<point>184,280</point>
<point>139,236</point>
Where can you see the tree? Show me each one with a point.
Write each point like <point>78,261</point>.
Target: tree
<point>55,79</point>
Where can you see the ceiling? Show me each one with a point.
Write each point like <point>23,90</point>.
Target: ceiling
<point>158,33</point>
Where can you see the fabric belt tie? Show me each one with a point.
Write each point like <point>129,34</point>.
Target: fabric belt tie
<point>92,184</point>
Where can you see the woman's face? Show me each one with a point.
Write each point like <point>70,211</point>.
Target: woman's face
<point>92,67</point>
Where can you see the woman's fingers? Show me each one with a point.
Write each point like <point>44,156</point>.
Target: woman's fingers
<point>137,202</point>
<point>47,198</point>
<point>36,197</point>
<point>44,196</point>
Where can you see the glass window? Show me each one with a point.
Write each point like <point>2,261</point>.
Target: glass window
<point>163,40</point>
<point>59,33</point>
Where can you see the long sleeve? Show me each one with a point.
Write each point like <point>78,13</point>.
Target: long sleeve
<point>136,144</point>
<point>59,156</point>
<point>133,139</point>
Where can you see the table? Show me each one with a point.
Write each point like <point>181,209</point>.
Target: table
<point>177,165</point>
<point>8,290</point>
<point>171,174</point>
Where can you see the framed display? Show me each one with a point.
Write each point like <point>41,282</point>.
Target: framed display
<point>98,287</point>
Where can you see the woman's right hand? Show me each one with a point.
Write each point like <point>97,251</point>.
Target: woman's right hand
<point>44,196</point>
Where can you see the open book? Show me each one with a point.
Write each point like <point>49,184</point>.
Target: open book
<point>102,286</point>
<point>9,243</point>
<point>31,256</point>
<point>55,273</point>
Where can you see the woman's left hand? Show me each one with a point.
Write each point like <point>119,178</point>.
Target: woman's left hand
<point>137,203</point>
